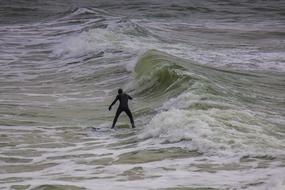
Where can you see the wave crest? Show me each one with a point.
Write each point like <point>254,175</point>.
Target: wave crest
<point>158,73</point>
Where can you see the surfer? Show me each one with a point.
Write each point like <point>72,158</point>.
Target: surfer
<point>123,98</point>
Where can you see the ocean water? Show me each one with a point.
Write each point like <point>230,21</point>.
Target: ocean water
<point>207,78</point>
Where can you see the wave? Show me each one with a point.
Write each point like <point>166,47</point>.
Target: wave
<point>156,73</point>
<point>199,105</point>
<point>20,12</point>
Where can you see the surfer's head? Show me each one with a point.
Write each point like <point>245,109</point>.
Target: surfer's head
<point>120,91</point>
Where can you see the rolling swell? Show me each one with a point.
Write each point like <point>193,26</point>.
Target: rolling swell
<point>20,11</point>
<point>157,74</point>
<point>160,72</point>
<point>211,108</point>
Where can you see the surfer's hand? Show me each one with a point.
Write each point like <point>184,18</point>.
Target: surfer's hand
<point>110,107</point>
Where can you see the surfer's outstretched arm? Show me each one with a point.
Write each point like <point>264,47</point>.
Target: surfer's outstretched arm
<point>130,97</point>
<point>116,99</point>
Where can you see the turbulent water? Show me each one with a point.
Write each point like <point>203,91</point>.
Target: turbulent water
<point>207,78</point>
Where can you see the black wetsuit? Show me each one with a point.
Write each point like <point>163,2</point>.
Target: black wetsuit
<point>123,98</point>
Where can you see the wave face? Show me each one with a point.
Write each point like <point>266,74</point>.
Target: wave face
<point>207,80</point>
<point>207,106</point>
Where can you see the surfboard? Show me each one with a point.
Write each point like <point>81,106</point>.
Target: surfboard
<point>123,125</point>
<point>106,129</point>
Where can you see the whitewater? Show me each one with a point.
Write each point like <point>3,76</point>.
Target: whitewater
<point>208,83</point>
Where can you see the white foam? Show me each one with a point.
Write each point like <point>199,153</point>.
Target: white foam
<point>277,181</point>
<point>95,40</point>
<point>213,132</point>
<point>175,125</point>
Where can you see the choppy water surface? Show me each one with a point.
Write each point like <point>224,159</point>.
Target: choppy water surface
<point>207,79</point>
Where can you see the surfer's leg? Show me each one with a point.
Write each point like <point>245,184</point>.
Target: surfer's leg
<point>129,113</point>
<point>119,111</point>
